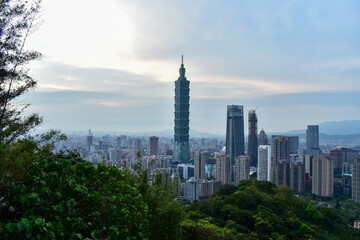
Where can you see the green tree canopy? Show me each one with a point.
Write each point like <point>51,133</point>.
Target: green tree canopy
<point>17,20</point>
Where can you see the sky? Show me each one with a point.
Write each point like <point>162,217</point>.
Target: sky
<point>110,65</point>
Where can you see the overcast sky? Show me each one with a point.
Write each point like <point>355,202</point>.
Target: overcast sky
<point>110,65</point>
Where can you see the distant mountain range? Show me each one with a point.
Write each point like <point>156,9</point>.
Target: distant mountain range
<point>345,127</point>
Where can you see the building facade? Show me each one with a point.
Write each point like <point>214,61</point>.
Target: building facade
<point>323,176</point>
<point>297,177</point>
<point>235,138</point>
<point>312,140</point>
<point>223,169</point>
<point>294,144</point>
<point>181,151</point>
<point>191,189</point>
<point>242,168</point>
<point>280,161</point>
<point>263,140</point>
<point>356,180</point>
<point>264,163</point>
<point>199,163</point>
<point>252,137</point>
<point>153,146</point>
<point>337,155</point>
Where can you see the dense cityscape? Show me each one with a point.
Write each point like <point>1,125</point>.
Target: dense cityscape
<point>262,148</point>
<point>202,165</point>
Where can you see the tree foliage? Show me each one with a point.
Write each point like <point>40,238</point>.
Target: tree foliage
<point>260,210</point>
<point>17,20</point>
<point>61,196</point>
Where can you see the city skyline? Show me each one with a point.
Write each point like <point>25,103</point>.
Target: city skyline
<point>298,60</point>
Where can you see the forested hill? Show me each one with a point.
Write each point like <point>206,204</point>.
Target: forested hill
<point>46,195</point>
<point>260,210</point>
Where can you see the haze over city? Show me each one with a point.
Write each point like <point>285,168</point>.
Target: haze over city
<point>112,66</point>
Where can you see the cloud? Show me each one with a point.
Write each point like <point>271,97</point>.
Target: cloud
<point>117,61</point>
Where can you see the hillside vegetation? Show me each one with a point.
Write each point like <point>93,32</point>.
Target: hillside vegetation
<point>46,195</point>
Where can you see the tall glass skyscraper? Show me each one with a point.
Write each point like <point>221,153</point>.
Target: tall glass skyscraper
<point>312,140</point>
<point>235,139</point>
<point>181,152</point>
<point>253,139</point>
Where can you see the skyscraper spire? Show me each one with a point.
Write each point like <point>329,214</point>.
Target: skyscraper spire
<point>182,69</point>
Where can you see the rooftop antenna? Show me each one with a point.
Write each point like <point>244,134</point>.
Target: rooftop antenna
<point>182,59</point>
<point>257,107</point>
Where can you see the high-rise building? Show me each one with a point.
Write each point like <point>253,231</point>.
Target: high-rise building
<point>153,146</point>
<point>280,161</point>
<point>89,139</point>
<point>199,163</point>
<point>235,138</point>
<point>181,152</point>
<point>123,140</point>
<point>137,144</point>
<point>264,163</point>
<point>263,140</point>
<point>242,168</point>
<point>282,172</point>
<point>312,140</point>
<point>223,169</point>
<point>191,189</point>
<point>297,177</point>
<point>337,155</point>
<point>118,142</point>
<point>252,138</point>
<point>208,188</point>
<point>308,160</point>
<point>323,176</point>
<point>349,155</point>
<point>294,144</point>
<point>356,180</point>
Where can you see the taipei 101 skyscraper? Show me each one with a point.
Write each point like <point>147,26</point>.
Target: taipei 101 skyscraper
<point>181,152</point>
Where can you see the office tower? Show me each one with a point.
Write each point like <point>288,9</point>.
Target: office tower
<point>164,163</point>
<point>185,170</point>
<point>153,146</point>
<point>199,163</point>
<point>323,176</point>
<point>242,168</point>
<point>294,144</point>
<point>282,172</point>
<point>280,161</point>
<point>263,140</point>
<point>191,189</point>
<point>349,155</point>
<point>309,159</point>
<point>89,139</point>
<point>112,154</point>
<point>312,140</point>
<point>118,142</point>
<point>235,139</point>
<point>123,140</point>
<point>181,152</point>
<point>223,169</point>
<point>356,180</point>
<point>264,163</point>
<point>137,144</point>
<point>337,155</point>
<point>252,138</point>
<point>297,177</point>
